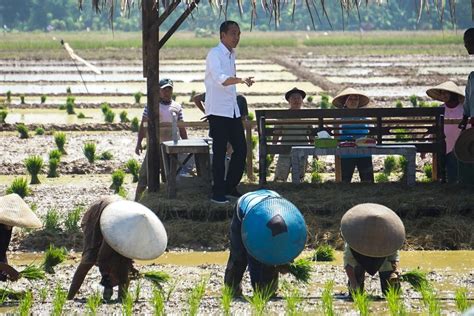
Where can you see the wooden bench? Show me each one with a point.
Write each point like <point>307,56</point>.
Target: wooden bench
<point>420,127</point>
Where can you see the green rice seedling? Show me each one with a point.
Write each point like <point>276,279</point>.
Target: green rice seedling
<point>316,177</point>
<point>195,297</point>
<point>71,99</point>
<point>138,289</point>
<point>416,278</point>
<point>227,295</point>
<point>402,163</point>
<point>460,297</point>
<point>251,116</point>
<point>23,130</point>
<point>25,304</point>
<point>310,99</point>
<point>381,177</point>
<point>324,253</point>
<point>93,303</point>
<point>137,96</point>
<point>395,302</point>
<point>430,300</point>
<point>9,96</point>
<point>171,289</point>
<point>43,98</point>
<point>58,301</point>
<point>157,277</point>
<point>72,219</point>
<point>20,187</point>
<point>301,269</point>
<point>399,104</point>
<point>127,304</point>
<point>117,179</point>
<point>109,117</point>
<point>53,257</point>
<point>414,100</point>
<point>89,151</point>
<point>70,108</point>
<point>135,124</point>
<point>62,107</point>
<point>423,104</point>
<point>33,166</point>
<point>428,170</point>
<point>389,164</point>
<point>53,168</point>
<point>133,167</point>
<point>361,301</point>
<point>324,104</point>
<point>105,107</point>
<point>106,155</point>
<point>122,192</point>
<point>327,299</point>
<point>123,117</point>
<point>3,116</point>
<point>68,90</point>
<point>22,99</point>
<point>32,272</point>
<point>55,154</point>
<point>43,294</point>
<point>293,299</point>
<point>10,295</point>
<point>158,302</point>
<point>81,115</point>
<point>39,131</point>
<point>318,165</point>
<point>51,220</point>
<point>260,299</point>
<point>60,140</point>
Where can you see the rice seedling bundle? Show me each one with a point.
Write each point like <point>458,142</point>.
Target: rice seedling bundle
<point>39,131</point>
<point>23,131</point>
<point>51,220</point>
<point>9,96</point>
<point>105,107</point>
<point>72,219</point>
<point>123,117</point>
<point>33,166</point>
<point>25,304</point>
<point>226,299</point>
<point>93,303</point>
<point>3,116</point>
<point>316,177</point>
<point>381,177</point>
<point>53,257</point>
<point>70,108</point>
<point>157,277</point>
<point>43,294</point>
<point>43,98</point>
<point>195,296</point>
<point>53,168</point>
<point>324,253</point>
<point>416,278</point>
<point>117,180</point>
<point>32,272</point>
<point>301,269</point>
<point>60,140</point>
<point>109,117</point>
<point>158,302</point>
<point>135,125</point>
<point>58,301</point>
<point>134,168</point>
<point>260,299</point>
<point>20,187</point>
<point>137,96</point>
<point>11,295</point>
<point>55,154</point>
<point>106,155</point>
<point>327,299</point>
<point>89,152</point>
<point>389,164</point>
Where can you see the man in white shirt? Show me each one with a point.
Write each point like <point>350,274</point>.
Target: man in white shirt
<point>223,112</point>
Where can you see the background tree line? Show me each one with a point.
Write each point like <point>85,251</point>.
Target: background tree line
<point>64,15</point>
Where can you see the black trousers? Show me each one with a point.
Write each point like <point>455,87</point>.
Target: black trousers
<point>225,130</point>
<point>364,166</point>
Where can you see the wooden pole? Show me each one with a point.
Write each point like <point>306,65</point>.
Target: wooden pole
<point>150,27</point>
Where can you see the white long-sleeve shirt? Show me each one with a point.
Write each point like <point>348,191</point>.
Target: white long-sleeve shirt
<point>220,100</point>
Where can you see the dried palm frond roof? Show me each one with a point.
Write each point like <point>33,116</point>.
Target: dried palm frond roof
<point>272,7</point>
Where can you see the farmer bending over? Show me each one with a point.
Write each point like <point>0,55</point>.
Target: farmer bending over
<point>469,101</point>
<point>373,234</point>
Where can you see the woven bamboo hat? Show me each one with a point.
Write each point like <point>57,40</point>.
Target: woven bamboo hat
<point>133,230</point>
<point>464,147</point>
<point>449,86</point>
<point>15,212</point>
<point>340,99</point>
<point>373,230</point>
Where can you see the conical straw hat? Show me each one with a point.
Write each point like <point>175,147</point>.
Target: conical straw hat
<point>464,147</point>
<point>340,99</point>
<point>133,230</point>
<point>373,230</point>
<point>435,92</point>
<point>15,212</point>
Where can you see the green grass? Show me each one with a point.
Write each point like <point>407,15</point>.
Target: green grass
<point>316,177</point>
<point>195,296</point>
<point>93,303</point>
<point>25,304</point>
<point>389,164</point>
<point>227,294</point>
<point>324,253</point>
<point>53,257</point>
<point>43,294</point>
<point>89,151</point>
<point>138,289</point>
<point>381,177</point>
<point>20,187</point>
<point>33,166</point>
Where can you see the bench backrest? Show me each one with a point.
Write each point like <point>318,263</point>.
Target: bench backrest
<point>422,127</point>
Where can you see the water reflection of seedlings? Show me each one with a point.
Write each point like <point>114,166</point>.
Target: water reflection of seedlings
<point>89,151</point>
<point>327,299</point>
<point>226,298</point>
<point>58,301</point>
<point>25,304</point>
<point>460,296</point>
<point>158,301</point>
<point>395,302</point>
<point>127,304</point>
<point>93,303</point>
<point>33,166</point>
<point>361,301</point>
<point>19,186</point>
<point>260,298</point>
<point>195,296</point>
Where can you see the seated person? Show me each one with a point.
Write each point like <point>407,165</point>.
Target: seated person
<point>453,98</point>
<point>295,99</point>
<point>263,222</point>
<point>353,99</point>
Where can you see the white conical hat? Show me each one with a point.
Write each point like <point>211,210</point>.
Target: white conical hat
<point>435,92</point>
<point>373,230</point>
<point>133,230</point>
<point>339,99</point>
<point>15,212</point>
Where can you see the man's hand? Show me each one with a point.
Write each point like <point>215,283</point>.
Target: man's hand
<point>138,149</point>
<point>13,275</point>
<point>248,81</point>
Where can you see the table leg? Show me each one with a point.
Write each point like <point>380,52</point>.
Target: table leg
<point>411,168</point>
<point>295,167</point>
<point>173,166</point>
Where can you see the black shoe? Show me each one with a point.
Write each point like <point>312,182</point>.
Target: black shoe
<point>219,199</point>
<point>233,194</point>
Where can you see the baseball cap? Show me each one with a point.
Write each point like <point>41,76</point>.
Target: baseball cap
<point>166,83</point>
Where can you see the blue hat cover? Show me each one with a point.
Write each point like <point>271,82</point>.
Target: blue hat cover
<point>274,231</point>
<point>250,199</point>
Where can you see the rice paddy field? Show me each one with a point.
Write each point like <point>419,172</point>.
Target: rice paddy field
<point>37,79</point>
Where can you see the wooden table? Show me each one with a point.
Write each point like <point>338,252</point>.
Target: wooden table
<point>409,151</point>
<point>170,151</point>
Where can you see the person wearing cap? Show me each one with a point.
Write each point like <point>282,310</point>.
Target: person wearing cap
<point>13,212</point>
<point>373,235</point>
<point>115,232</point>
<point>353,99</point>
<point>469,96</point>
<point>167,108</point>
<point>267,232</point>
<point>225,125</point>
<point>453,98</point>
<point>295,99</point>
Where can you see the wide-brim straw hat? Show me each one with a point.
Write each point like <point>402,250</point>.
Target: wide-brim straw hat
<point>340,99</point>
<point>373,230</point>
<point>464,146</point>
<point>133,230</point>
<point>15,212</point>
<point>449,86</point>
<point>295,90</point>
